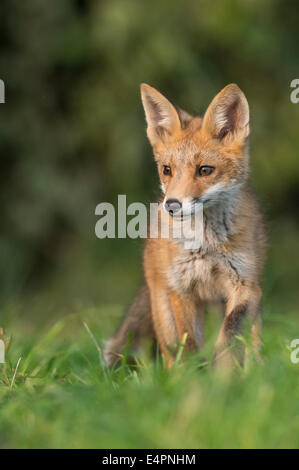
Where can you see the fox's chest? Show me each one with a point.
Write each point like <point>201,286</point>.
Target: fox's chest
<point>202,273</point>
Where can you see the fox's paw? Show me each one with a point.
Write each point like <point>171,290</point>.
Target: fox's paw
<point>223,362</point>
<point>110,353</point>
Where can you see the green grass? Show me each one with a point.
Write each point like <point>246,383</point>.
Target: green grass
<point>61,396</point>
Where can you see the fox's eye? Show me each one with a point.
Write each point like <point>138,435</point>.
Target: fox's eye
<point>166,170</point>
<point>205,170</point>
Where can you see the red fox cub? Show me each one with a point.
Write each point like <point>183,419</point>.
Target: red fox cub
<point>201,161</point>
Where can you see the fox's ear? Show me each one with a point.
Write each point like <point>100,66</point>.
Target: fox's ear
<point>227,117</point>
<point>161,116</point>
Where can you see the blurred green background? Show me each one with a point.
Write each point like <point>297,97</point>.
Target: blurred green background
<point>72,133</point>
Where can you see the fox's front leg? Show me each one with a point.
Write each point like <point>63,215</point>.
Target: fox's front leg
<point>189,318</point>
<point>243,303</point>
<point>163,321</point>
<point>173,317</point>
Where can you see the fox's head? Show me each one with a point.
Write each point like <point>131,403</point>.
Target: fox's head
<point>200,159</point>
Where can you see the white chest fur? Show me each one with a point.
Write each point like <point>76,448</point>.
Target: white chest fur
<point>192,271</point>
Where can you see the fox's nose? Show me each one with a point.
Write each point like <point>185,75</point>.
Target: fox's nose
<point>173,205</point>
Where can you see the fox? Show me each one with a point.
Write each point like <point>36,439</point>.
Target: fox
<point>202,161</point>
